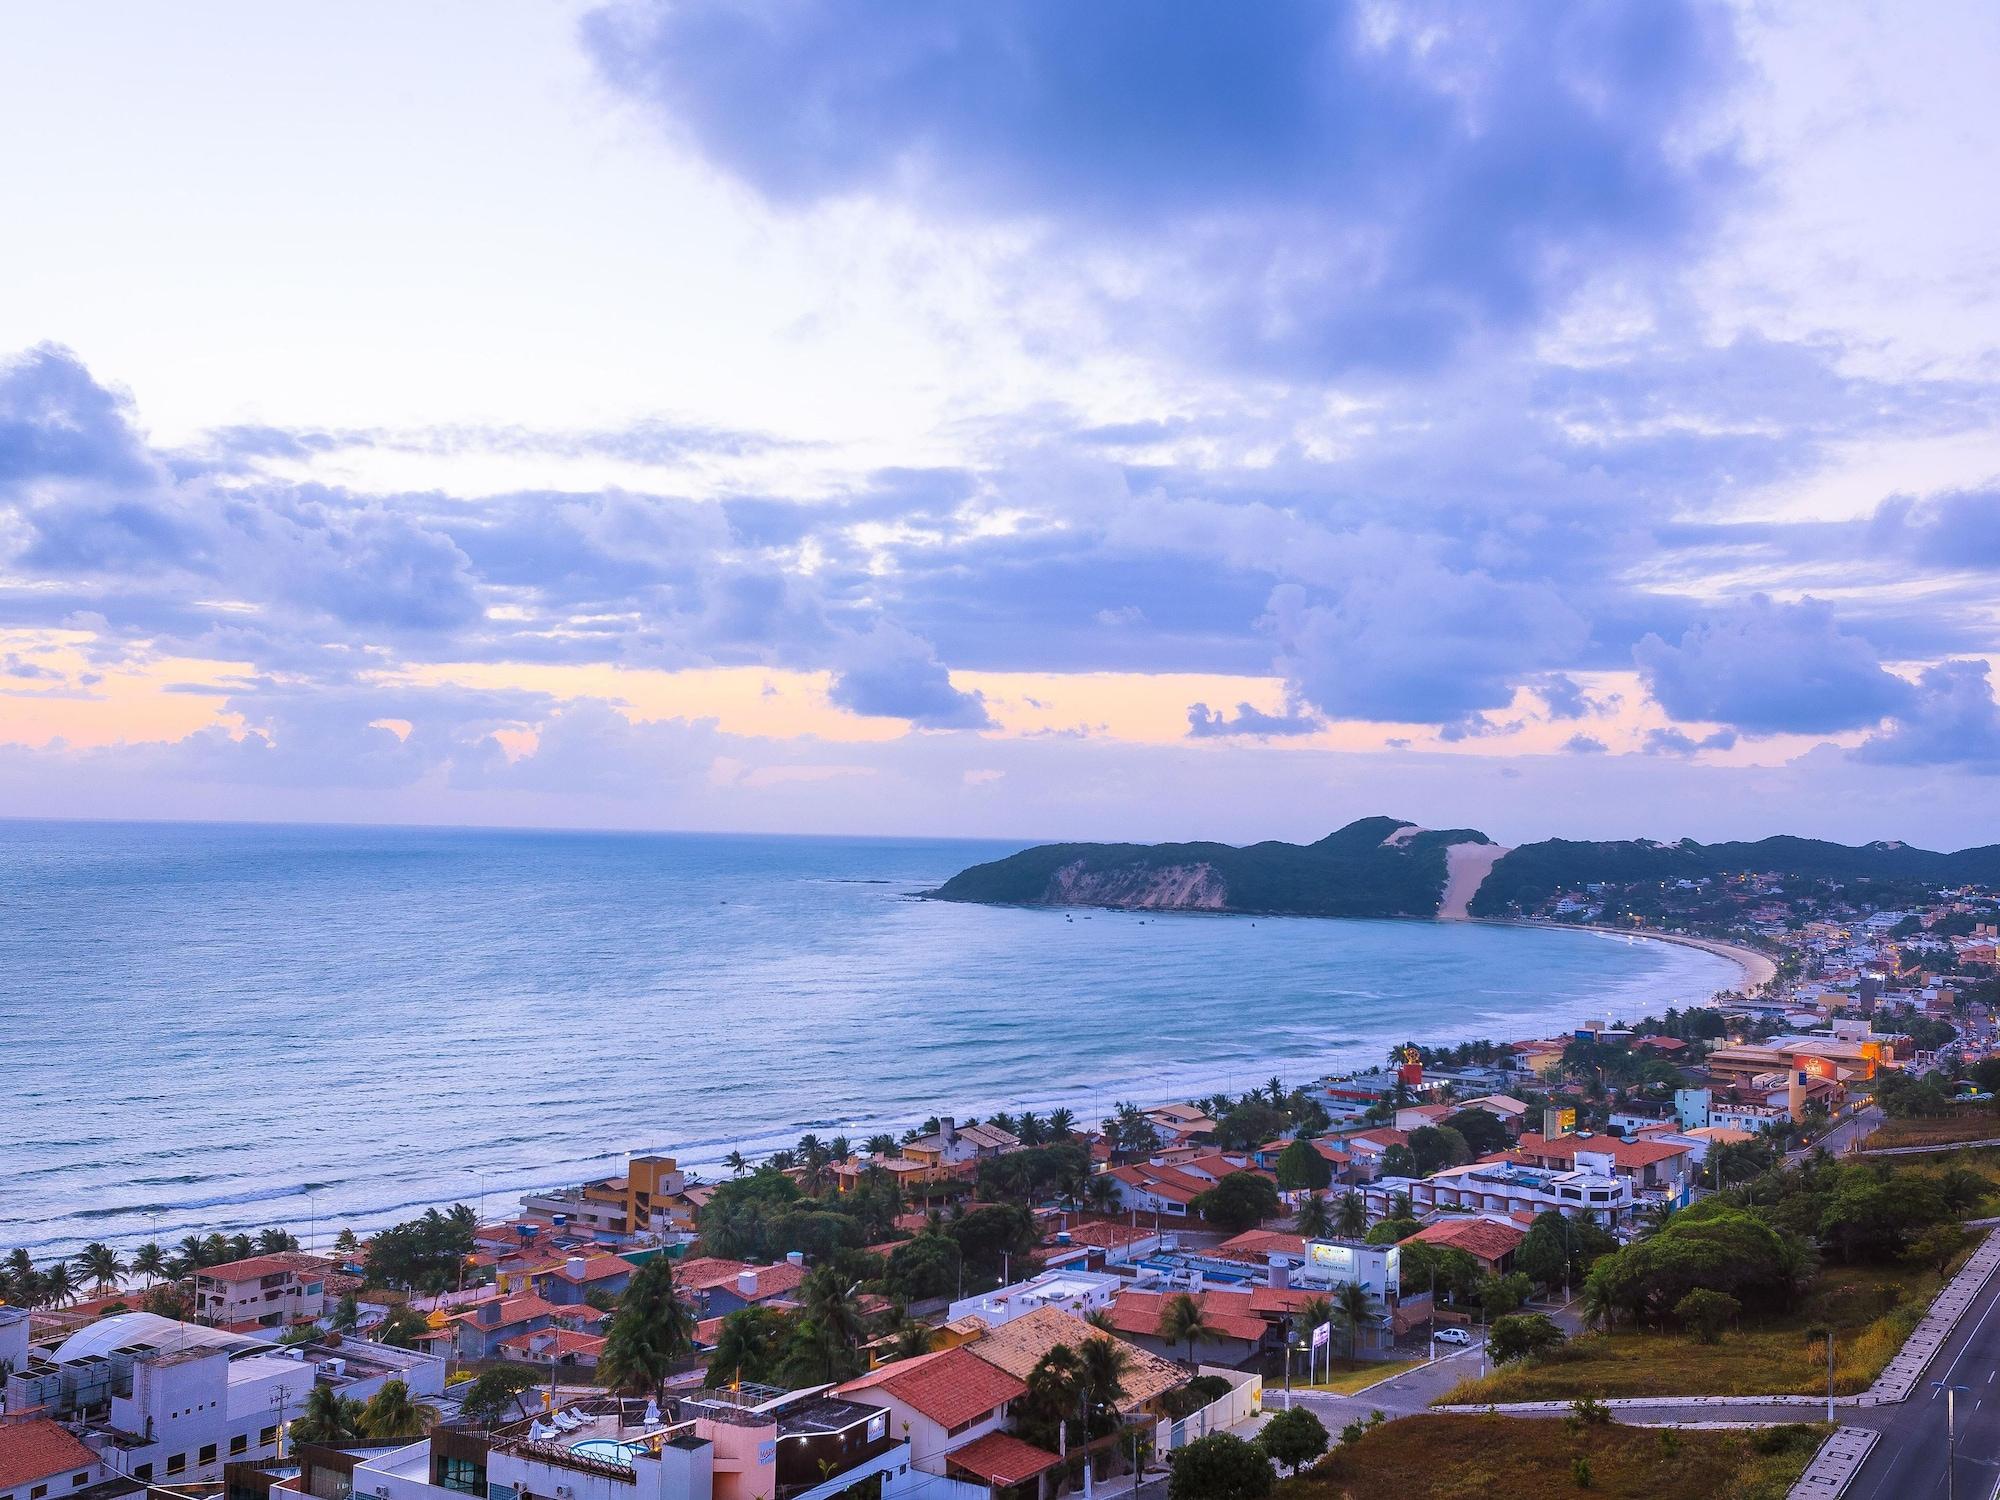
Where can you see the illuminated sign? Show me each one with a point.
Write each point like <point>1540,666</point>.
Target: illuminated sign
<point>1321,1335</point>
<point>1566,1118</point>
<point>877,1425</point>
<point>1336,1258</point>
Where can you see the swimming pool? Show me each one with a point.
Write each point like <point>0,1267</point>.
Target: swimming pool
<point>606,1450</point>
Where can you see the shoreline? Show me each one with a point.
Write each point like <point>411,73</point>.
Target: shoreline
<point>1088,1100</point>
<point>1759,969</point>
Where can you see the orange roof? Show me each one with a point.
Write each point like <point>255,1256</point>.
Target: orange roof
<point>1001,1459</point>
<point>254,1268</point>
<point>597,1268</point>
<point>1162,1181</point>
<point>1102,1234</point>
<point>37,1449</point>
<point>1383,1136</point>
<point>1255,1244</point>
<point>949,1387</point>
<point>1276,1302</point>
<point>1624,1153</point>
<point>1482,1238</point>
<point>1228,1313</point>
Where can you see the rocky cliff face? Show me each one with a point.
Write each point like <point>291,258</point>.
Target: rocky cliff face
<point>1190,887</point>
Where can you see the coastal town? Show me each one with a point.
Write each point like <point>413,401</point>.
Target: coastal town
<point>1200,1294</point>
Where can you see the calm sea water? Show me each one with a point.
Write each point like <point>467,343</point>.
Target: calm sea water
<point>213,1027</point>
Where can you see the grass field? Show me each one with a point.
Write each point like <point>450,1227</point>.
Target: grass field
<point>1350,1376</point>
<point>1872,1309</point>
<point>1512,1458</point>
<point>1980,1125</point>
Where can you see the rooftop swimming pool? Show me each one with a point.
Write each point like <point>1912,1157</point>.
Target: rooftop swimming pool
<point>606,1450</point>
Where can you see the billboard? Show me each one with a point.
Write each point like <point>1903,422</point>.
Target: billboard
<point>1339,1259</point>
<point>1322,1334</point>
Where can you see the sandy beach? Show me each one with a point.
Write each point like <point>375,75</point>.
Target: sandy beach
<point>1759,969</point>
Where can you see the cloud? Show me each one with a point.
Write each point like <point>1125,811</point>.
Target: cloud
<point>1584,744</point>
<point>1565,698</point>
<point>1309,185</point>
<point>1771,668</point>
<point>1951,720</point>
<point>1205,723</point>
<point>890,673</point>
<point>1412,641</point>
<point>1676,742</point>
<point>56,423</point>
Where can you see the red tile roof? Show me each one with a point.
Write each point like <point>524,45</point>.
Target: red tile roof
<point>949,1387</point>
<point>597,1268</point>
<point>1103,1234</point>
<point>1624,1153</point>
<point>1228,1313</point>
<point>1000,1459</point>
<point>256,1267</point>
<point>1254,1244</point>
<point>38,1449</point>
<point>1482,1238</point>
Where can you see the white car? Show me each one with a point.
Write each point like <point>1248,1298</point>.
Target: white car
<point>1453,1336</point>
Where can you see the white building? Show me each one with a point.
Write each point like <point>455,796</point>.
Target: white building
<point>1078,1292</point>
<point>180,1400</point>
<point>1502,1187</point>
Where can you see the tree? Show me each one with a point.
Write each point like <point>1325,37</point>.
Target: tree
<point>345,1242</point>
<point>99,1264</point>
<point>651,1332</point>
<point>995,1238</point>
<point>1220,1467</point>
<point>494,1398</point>
<point>57,1288</point>
<point>1100,1374</point>
<point>737,1163</point>
<point>1351,1219</point>
<point>390,1413</point>
<point>1482,1133</point>
<point>829,1328</point>
<point>346,1313</point>
<point>427,1252</point>
<point>1294,1437</point>
<point>1436,1147</point>
<point>1352,1307</point>
<point>1240,1201</point>
<point>1519,1335</point>
<point>749,1346</point>
<point>327,1418</point>
<point>1301,1166</point>
<point>1249,1123</point>
<point>1392,1231</point>
<point>1399,1161</point>
<point>402,1328</point>
<point>1183,1322</point>
<point>1500,1295</point>
<point>1937,1245</point>
<point>149,1261</point>
<point>1062,1124</point>
<point>1315,1218</point>
<point>1705,1314</point>
<point>925,1267</point>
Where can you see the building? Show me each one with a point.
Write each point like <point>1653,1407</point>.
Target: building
<point>1018,1346</point>
<point>1650,1165</point>
<point>571,1280</point>
<point>953,1145</point>
<point>265,1291</point>
<point>1491,1241</point>
<point>1078,1292</point>
<point>169,1403</point>
<point>718,1287</point>
<point>938,1402</point>
<point>1238,1331</point>
<point>655,1189</point>
<point>1504,1187</point>
<point>43,1460</point>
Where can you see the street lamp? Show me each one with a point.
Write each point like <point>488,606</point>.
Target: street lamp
<point>1828,1333</point>
<point>1950,1435</point>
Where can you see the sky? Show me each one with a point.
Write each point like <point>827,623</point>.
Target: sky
<point>1028,420</point>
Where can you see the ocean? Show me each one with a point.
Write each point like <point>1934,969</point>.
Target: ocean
<point>222,1027</point>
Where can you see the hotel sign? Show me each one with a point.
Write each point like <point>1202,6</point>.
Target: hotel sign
<point>1338,1259</point>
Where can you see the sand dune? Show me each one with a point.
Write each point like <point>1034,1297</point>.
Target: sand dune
<point>1466,865</point>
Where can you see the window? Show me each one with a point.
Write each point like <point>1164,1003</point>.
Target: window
<point>37,1492</point>
<point>177,1464</point>
<point>78,1481</point>
<point>239,1444</point>
<point>207,1453</point>
<point>143,1473</point>
<point>267,1437</point>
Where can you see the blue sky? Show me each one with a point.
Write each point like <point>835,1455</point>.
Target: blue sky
<point>1027,419</point>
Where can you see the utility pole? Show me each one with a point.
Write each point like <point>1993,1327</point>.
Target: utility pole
<point>1950,1436</point>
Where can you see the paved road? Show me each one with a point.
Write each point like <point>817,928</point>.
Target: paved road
<point>1843,1136</point>
<point>1910,1459</point>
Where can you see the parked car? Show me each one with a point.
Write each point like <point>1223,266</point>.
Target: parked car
<point>1453,1336</point>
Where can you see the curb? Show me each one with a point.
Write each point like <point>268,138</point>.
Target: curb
<point>1833,1468</point>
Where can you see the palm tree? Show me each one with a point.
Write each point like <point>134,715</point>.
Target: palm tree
<point>1101,1192</point>
<point>1350,1301</point>
<point>1276,1090</point>
<point>57,1290</point>
<point>1351,1220</point>
<point>1183,1322</point>
<point>1101,1375</point>
<point>390,1413</point>
<point>840,1148</point>
<point>1399,1207</point>
<point>327,1418</point>
<point>1061,1124</point>
<point>192,1252</point>
<point>272,1241</point>
<point>99,1264</point>
<point>1600,1306</point>
<point>149,1261</point>
<point>1030,1128</point>
<point>1314,1311</point>
<point>1004,1121</point>
<point>810,1146</point>
<point>737,1163</point>
<point>882,1145</point>
<point>240,1246</point>
<point>834,1322</point>
<point>1315,1219</point>
<point>651,1332</point>
<point>783,1161</point>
